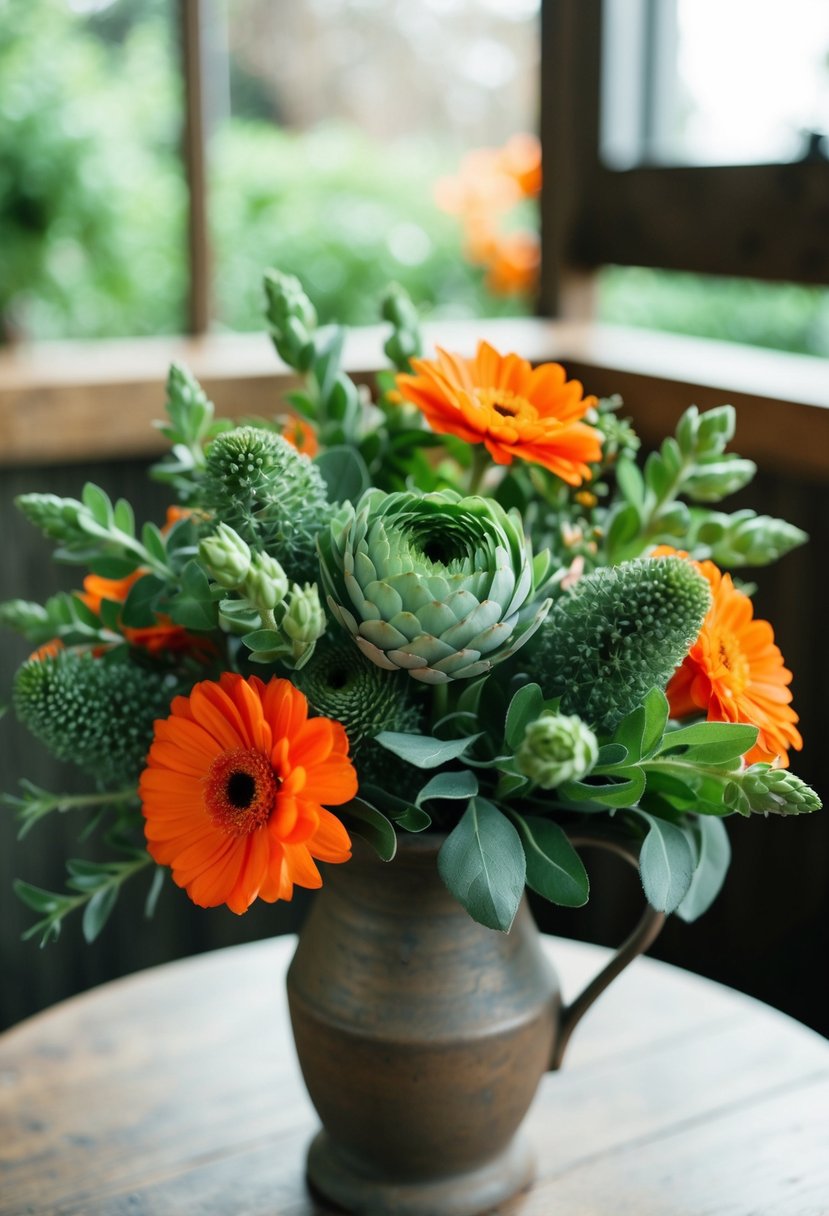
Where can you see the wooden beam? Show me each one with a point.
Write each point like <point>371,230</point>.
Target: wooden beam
<point>195,161</point>
<point>67,402</point>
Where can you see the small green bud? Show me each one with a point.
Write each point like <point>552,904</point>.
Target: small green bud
<point>57,518</point>
<point>226,556</point>
<point>290,315</point>
<point>776,791</point>
<point>266,583</point>
<point>556,748</point>
<point>304,620</point>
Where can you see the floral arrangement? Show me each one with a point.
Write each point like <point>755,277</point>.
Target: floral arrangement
<point>463,606</point>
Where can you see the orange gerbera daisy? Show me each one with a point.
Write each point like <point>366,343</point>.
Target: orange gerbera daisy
<point>233,791</point>
<point>512,408</point>
<point>163,636</point>
<point>734,672</point>
<point>301,435</point>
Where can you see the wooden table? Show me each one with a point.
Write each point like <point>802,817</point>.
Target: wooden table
<point>177,1090</point>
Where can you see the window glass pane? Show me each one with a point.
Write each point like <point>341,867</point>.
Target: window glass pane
<point>712,82</point>
<point>784,316</point>
<point>92,196</point>
<point>332,123</point>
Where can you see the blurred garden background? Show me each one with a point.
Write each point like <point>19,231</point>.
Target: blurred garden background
<point>331,125</point>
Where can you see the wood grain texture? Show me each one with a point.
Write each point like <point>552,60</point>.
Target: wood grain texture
<point>177,1091</point>
<point>75,402</point>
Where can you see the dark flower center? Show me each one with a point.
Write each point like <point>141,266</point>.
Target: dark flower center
<point>241,788</point>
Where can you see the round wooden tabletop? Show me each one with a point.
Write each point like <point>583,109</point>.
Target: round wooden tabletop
<point>177,1091</point>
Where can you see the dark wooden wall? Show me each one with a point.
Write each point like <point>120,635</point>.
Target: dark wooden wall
<point>768,934</point>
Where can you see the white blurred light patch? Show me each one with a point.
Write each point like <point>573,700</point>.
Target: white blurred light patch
<point>409,244</point>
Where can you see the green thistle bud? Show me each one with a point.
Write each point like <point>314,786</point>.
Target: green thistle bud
<point>776,791</point>
<point>621,631</point>
<point>95,713</point>
<point>226,556</point>
<point>270,493</point>
<point>556,748</point>
<point>341,683</point>
<point>304,620</point>
<point>266,583</point>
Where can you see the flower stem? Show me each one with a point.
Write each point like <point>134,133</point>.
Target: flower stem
<point>478,469</point>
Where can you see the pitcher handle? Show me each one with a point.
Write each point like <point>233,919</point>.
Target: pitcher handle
<point>643,936</point>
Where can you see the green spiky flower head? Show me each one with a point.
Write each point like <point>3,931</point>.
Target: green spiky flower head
<point>436,584</point>
<point>273,496</point>
<point>341,683</point>
<point>94,713</point>
<point>621,631</point>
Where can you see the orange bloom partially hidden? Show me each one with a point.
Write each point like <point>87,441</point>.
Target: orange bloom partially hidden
<point>734,671</point>
<point>162,637</point>
<point>234,789</point>
<point>515,410</point>
<point>301,435</point>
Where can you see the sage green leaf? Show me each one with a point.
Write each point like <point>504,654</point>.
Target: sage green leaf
<point>713,858</point>
<point>414,819</point>
<point>666,864</point>
<point>624,790</point>
<point>98,910</point>
<point>424,751</point>
<point>457,786</point>
<point>138,611</point>
<point>344,473</point>
<point>482,863</point>
<point>711,743</point>
<point>554,868</point>
<point>98,504</point>
<point>524,708</point>
<point>364,820</point>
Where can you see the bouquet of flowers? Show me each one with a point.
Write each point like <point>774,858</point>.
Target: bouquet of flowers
<point>459,606</point>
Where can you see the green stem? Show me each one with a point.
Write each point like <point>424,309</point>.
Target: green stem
<point>440,701</point>
<point>479,468</point>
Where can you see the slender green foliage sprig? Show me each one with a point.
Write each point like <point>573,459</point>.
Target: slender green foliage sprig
<point>190,425</point>
<point>34,804</point>
<point>692,464</point>
<point>95,887</point>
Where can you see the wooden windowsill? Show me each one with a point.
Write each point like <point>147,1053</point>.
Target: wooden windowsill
<point>67,402</point>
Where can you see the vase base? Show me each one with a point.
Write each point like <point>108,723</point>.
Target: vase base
<point>469,1194</point>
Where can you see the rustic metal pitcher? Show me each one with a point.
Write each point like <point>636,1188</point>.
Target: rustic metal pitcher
<point>422,1036</point>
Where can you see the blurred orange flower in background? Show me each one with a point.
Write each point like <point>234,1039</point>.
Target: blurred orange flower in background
<point>734,672</point>
<point>490,184</point>
<point>235,792</point>
<point>163,636</point>
<point>511,407</point>
<point>301,435</point>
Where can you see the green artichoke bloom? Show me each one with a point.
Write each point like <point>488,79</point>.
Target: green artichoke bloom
<point>556,748</point>
<point>439,585</point>
<point>621,631</point>
<point>95,713</point>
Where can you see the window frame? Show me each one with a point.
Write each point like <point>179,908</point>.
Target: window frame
<point>766,221</point>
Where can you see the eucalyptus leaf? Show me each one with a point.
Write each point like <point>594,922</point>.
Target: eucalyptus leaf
<point>344,472</point>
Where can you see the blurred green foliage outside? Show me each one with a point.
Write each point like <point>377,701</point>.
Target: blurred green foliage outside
<point>93,206</point>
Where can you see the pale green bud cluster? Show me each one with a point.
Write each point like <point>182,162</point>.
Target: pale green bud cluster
<point>405,342</point>
<point>291,319</point>
<point>765,790</point>
<point>265,583</point>
<point>226,557</point>
<point>304,621</point>
<point>556,748</point>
